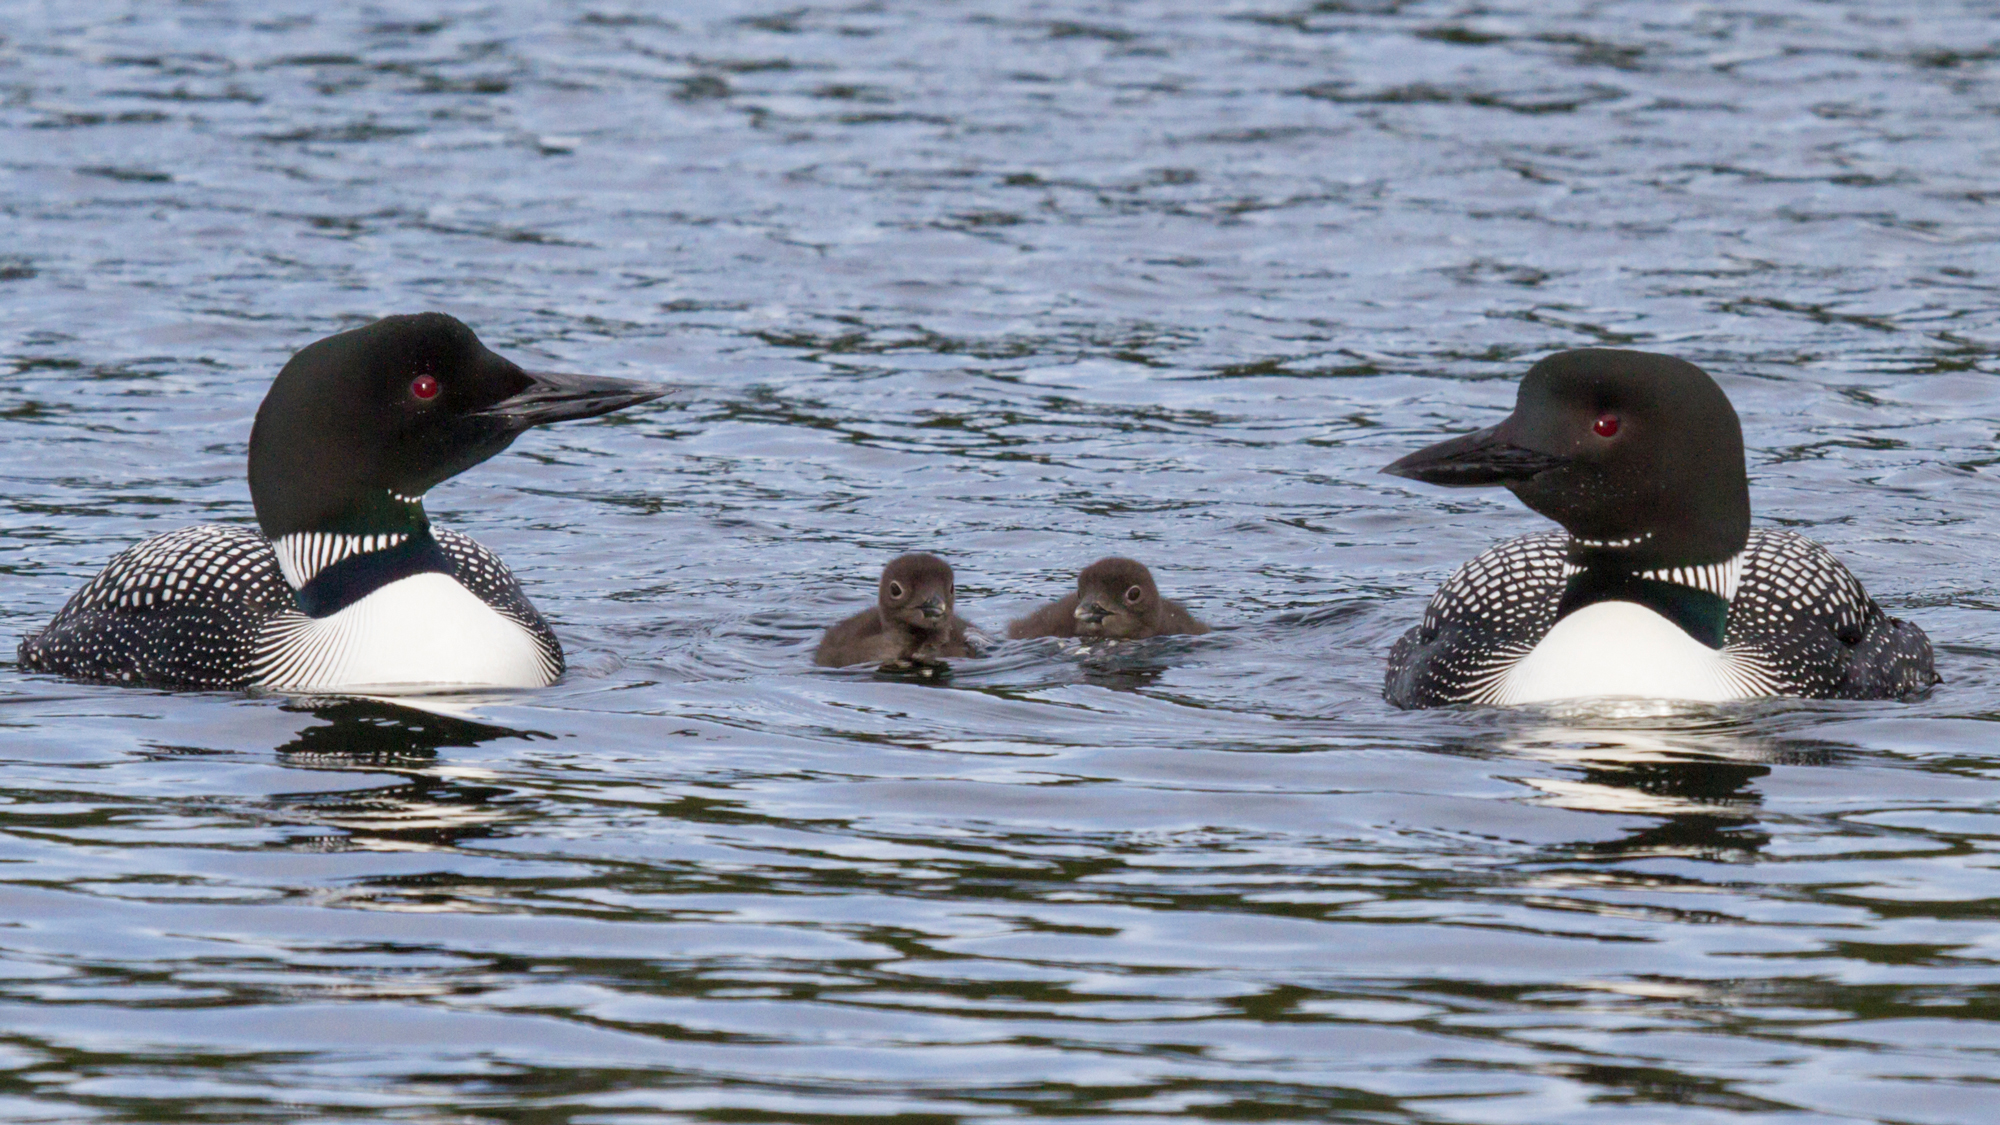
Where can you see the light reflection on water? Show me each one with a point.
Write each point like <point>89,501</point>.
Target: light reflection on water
<point>1023,286</point>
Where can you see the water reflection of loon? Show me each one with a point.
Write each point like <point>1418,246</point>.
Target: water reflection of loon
<point>433,806</point>
<point>1692,768</point>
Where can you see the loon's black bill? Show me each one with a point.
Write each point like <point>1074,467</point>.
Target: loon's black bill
<point>1485,457</point>
<point>556,397</point>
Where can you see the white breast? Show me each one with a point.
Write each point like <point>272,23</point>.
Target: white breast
<point>419,633</point>
<point>1623,648</point>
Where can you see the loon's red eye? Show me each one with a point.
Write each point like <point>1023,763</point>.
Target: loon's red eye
<point>1607,425</point>
<point>424,387</point>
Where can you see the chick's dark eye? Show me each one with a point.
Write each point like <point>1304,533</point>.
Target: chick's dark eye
<point>1607,425</point>
<point>895,589</point>
<point>1133,594</point>
<point>424,387</point>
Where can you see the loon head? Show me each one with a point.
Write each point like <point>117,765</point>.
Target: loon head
<point>1639,456</point>
<point>1116,598</point>
<point>358,426</point>
<point>916,593</point>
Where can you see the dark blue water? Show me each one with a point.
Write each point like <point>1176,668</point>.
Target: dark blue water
<point>1022,285</point>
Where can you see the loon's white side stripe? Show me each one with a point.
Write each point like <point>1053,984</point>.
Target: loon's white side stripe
<point>303,554</point>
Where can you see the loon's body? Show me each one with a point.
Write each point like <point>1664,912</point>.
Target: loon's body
<point>1657,588</point>
<point>209,607</point>
<point>344,585</point>
<point>1799,624</point>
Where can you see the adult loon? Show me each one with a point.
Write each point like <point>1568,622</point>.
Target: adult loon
<point>1114,598</point>
<point>344,584</point>
<point>1657,587</point>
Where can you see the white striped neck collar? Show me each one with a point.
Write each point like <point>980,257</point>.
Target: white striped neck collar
<point>1625,544</point>
<point>1614,555</point>
<point>377,521</point>
<point>303,555</point>
<point>1697,598</point>
<point>1719,579</point>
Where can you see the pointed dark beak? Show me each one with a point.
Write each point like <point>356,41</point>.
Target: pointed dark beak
<point>1486,457</point>
<point>932,608</point>
<point>1092,612</point>
<point>554,397</point>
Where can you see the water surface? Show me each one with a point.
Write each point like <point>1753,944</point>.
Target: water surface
<point>1023,285</point>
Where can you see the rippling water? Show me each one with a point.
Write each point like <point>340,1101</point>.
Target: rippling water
<point>1023,285</point>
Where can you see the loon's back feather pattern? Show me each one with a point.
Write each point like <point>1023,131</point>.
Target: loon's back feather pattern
<point>203,607</point>
<point>1799,625</point>
<point>177,610</point>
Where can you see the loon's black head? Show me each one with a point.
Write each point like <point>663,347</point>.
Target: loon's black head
<point>1116,598</point>
<point>358,426</point>
<point>916,593</point>
<point>1639,456</point>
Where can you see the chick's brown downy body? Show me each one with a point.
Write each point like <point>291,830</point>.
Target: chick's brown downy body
<point>1115,599</point>
<point>913,621</point>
